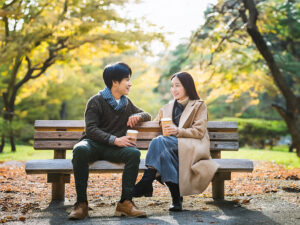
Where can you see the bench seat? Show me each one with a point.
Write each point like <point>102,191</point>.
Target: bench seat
<point>65,166</point>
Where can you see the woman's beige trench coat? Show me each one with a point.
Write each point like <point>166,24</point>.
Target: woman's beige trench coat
<point>196,168</point>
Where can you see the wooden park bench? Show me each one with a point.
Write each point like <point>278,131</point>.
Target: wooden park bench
<point>61,135</point>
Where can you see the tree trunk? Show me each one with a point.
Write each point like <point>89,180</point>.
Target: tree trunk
<point>12,139</point>
<point>2,143</point>
<point>63,110</point>
<point>294,131</point>
<point>291,148</point>
<point>271,143</point>
<point>8,117</point>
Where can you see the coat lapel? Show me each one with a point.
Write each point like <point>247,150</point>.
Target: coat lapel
<point>187,112</point>
<point>168,111</point>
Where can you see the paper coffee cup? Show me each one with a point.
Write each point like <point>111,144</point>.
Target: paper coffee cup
<point>133,134</point>
<point>165,121</point>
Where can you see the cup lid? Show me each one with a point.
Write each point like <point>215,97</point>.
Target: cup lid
<point>166,119</point>
<point>132,131</point>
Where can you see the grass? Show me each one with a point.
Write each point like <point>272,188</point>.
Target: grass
<point>26,152</point>
<point>279,155</point>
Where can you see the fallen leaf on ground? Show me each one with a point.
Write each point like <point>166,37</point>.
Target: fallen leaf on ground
<point>22,218</point>
<point>247,200</point>
<point>22,194</point>
<point>236,200</point>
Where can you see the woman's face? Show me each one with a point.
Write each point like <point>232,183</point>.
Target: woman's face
<point>177,89</point>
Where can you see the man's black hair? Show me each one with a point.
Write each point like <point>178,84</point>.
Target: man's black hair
<point>116,72</point>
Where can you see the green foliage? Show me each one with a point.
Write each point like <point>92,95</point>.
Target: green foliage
<point>144,79</point>
<point>283,33</point>
<point>230,74</point>
<point>240,107</point>
<point>65,41</point>
<point>22,130</point>
<point>258,132</point>
<point>74,83</point>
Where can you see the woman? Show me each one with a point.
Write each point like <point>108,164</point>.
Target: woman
<point>182,160</point>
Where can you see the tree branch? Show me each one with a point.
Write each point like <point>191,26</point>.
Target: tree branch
<point>282,111</point>
<point>28,75</point>
<point>38,12</point>
<point>5,20</point>
<point>62,15</point>
<point>7,5</point>
<point>28,63</point>
<point>226,37</point>
<point>5,99</point>
<point>265,52</point>
<point>47,63</point>
<point>210,77</point>
<point>14,72</point>
<point>253,14</point>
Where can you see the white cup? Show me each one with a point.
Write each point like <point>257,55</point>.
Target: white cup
<point>133,135</point>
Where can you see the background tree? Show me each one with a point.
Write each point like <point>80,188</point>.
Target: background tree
<point>247,53</point>
<point>35,34</point>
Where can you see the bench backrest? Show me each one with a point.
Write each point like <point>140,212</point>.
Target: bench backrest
<point>63,134</point>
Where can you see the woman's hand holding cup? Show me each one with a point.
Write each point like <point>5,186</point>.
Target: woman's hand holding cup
<point>168,127</point>
<point>171,130</point>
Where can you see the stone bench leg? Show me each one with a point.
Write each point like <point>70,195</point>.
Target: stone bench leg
<point>58,185</point>
<point>218,184</point>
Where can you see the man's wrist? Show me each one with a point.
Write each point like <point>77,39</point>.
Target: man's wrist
<point>136,114</point>
<point>112,139</point>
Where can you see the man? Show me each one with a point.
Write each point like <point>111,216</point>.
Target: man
<point>107,117</point>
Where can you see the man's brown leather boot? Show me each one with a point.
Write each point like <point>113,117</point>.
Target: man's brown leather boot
<point>80,211</point>
<point>129,209</point>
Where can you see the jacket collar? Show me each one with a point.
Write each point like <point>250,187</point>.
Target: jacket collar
<point>186,112</point>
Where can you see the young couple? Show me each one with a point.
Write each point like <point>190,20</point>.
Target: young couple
<point>182,161</point>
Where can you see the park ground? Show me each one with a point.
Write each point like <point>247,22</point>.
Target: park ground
<point>269,195</point>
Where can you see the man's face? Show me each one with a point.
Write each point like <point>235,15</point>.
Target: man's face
<point>123,86</point>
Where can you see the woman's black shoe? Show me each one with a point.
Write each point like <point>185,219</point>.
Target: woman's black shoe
<point>144,186</point>
<point>176,199</point>
<point>176,205</point>
<point>159,180</point>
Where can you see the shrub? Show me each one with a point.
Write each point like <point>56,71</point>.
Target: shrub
<point>259,132</point>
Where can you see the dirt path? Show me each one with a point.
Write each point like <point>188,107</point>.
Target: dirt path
<point>270,195</point>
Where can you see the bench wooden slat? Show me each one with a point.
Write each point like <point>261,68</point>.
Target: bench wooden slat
<point>224,145</point>
<point>65,166</point>
<point>147,126</point>
<point>68,145</point>
<point>57,135</point>
<point>75,135</point>
<point>59,123</point>
<point>228,136</point>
